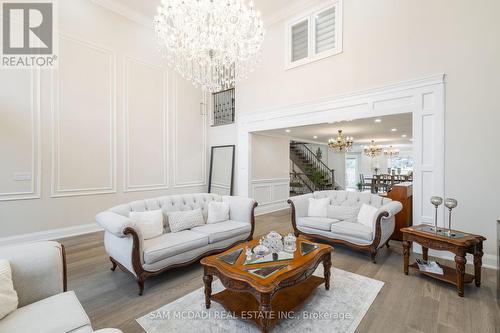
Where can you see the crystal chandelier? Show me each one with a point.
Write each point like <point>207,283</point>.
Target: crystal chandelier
<point>212,43</point>
<point>341,142</point>
<point>391,151</point>
<point>372,150</point>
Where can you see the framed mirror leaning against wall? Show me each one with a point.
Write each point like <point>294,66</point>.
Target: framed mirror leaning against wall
<point>221,170</point>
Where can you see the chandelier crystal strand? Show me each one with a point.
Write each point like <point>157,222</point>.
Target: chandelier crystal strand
<point>212,43</point>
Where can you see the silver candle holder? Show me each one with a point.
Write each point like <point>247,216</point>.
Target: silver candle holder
<point>436,201</point>
<point>450,203</point>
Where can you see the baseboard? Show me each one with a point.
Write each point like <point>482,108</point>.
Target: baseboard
<point>489,260</point>
<point>271,207</point>
<point>51,234</point>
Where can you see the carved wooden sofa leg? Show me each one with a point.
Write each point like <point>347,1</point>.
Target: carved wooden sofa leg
<point>140,282</point>
<point>387,244</point>
<point>373,255</point>
<point>113,268</point>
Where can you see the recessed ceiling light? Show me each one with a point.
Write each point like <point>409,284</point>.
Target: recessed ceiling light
<point>378,120</point>
<point>394,129</point>
<point>288,131</point>
<point>315,137</point>
<point>404,136</point>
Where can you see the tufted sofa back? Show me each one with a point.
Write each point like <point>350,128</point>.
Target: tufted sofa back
<point>352,199</point>
<point>170,203</point>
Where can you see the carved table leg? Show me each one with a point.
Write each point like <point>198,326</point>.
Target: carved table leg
<point>478,262</point>
<point>460,262</point>
<point>406,254</point>
<point>207,279</point>
<point>266,314</point>
<point>425,253</point>
<point>327,264</point>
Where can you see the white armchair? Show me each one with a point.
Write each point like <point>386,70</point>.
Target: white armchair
<point>347,231</point>
<point>40,280</point>
<point>145,258</point>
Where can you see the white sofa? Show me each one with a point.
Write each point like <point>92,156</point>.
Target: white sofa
<point>347,231</point>
<point>145,258</point>
<point>39,276</point>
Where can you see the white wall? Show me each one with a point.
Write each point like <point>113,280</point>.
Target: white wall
<point>112,125</point>
<point>390,41</point>
<point>270,172</point>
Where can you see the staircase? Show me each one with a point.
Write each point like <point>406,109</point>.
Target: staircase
<point>314,175</point>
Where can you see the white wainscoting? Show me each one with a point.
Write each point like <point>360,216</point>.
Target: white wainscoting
<point>28,189</point>
<point>271,194</point>
<point>145,133</point>
<point>190,141</point>
<point>83,119</point>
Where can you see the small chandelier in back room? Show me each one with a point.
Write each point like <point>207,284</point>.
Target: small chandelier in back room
<point>212,43</point>
<point>341,142</point>
<point>372,150</point>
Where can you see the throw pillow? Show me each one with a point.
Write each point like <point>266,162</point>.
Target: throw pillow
<point>184,220</point>
<point>8,296</point>
<point>150,223</point>
<point>218,212</point>
<point>318,207</point>
<point>343,213</point>
<point>367,215</point>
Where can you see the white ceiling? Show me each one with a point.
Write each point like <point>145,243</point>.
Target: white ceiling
<point>147,8</point>
<point>362,130</point>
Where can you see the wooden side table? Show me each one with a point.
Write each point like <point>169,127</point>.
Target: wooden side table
<point>460,246</point>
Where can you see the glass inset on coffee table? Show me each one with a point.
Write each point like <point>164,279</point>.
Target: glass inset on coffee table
<point>443,232</point>
<point>231,258</point>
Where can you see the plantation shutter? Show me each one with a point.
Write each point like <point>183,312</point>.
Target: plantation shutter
<point>325,30</point>
<point>300,40</point>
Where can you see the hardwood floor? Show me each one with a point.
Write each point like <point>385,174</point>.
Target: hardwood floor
<point>405,304</point>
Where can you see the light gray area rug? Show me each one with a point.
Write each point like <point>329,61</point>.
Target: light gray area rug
<point>339,309</point>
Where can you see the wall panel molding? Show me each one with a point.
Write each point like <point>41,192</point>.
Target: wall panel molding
<point>203,180</point>
<point>36,161</point>
<point>164,183</point>
<point>57,189</point>
<point>271,194</point>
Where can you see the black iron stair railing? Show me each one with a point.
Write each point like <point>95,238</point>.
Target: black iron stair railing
<point>318,173</point>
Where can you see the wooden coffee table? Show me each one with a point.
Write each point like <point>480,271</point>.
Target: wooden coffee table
<point>462,244</point>
<point>263,291</point>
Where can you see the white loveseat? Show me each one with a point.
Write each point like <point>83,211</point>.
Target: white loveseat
<point>39,277</point>
<point>145,258</point>
<point>347,231</point>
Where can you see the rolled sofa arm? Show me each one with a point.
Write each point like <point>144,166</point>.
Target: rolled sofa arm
<point>113,223</point>
<point>301,204</point>
<point>392,208</point>
<point>241,208</point>
<point>38,270</point>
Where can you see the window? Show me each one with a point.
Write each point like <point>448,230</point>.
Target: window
<point>314,36</point>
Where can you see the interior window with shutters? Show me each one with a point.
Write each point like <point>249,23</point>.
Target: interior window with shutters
<point>314,35</point>
<point>300,40</point>
<point>325,30</point>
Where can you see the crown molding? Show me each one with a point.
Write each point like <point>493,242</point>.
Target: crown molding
<point>125,11</point>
